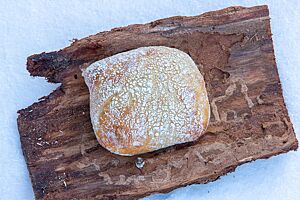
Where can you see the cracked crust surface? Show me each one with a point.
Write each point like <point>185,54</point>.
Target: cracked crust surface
<point>146,99</point>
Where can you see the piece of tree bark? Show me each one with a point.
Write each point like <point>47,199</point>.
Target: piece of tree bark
<point>233,49</point>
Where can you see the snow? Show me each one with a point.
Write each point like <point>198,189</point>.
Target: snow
<point>28,27</point>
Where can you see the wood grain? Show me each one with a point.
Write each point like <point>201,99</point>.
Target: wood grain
<point>234,51</point>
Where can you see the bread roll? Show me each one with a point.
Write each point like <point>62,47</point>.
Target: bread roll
<point>146,99</point>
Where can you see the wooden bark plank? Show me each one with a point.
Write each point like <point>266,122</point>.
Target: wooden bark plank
<point>234,51</point>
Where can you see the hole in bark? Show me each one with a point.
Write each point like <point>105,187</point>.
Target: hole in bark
<point>230,115</point>
<point>75,76</point>
<point>219,74</point>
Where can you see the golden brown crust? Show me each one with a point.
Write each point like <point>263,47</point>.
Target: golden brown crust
<point>146,99</point>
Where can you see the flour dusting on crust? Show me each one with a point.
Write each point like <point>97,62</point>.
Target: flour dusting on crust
<point>146,99</point>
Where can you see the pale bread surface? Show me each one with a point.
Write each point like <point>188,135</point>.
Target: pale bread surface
<point>146,99</point>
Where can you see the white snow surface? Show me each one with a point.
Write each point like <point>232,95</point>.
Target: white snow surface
<point>34,26</point>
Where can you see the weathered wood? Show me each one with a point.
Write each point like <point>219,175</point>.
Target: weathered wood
<point>233,49</point>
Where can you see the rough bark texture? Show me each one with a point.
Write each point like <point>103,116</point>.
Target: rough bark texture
<point>233,49</point>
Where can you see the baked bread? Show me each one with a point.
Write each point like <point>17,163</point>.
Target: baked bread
<point>146,99</point>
